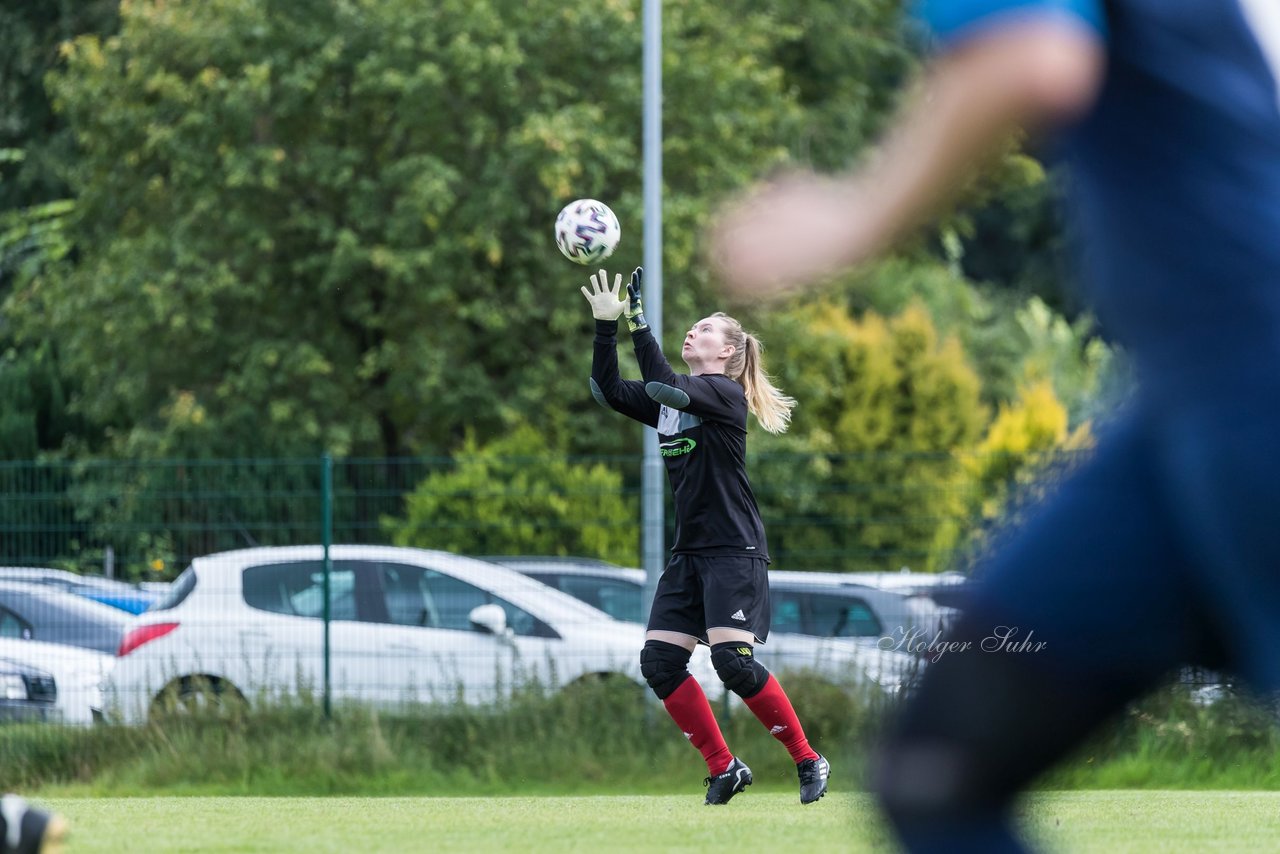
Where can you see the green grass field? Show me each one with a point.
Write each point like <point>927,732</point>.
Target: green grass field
<point>1100,821</point>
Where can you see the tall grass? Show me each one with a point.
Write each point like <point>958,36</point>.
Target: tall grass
<point>604,736</point>
<point>1174,739</point>
<point>599,738</point>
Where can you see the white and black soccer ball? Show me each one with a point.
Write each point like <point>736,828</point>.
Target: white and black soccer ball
<point>587,231</point>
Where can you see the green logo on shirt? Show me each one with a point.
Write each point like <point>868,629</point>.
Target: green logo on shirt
<point>677,447</point>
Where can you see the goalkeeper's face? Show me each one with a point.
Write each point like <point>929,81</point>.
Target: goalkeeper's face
<point>705,350</point>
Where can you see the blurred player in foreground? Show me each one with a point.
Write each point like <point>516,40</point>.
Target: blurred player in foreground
<point>1165,548</point>
<point>27,830</point>
<point>715,588</point>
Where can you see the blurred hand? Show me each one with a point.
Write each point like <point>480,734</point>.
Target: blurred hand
<point>606,303</point>
<point>788,234</point>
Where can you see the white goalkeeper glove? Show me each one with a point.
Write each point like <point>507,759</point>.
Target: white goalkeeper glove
<point>606,303</point>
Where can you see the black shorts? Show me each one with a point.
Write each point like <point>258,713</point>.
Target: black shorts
<point>698,592</point>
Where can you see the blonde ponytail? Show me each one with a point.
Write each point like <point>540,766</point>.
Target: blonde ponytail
<point>771,407</point>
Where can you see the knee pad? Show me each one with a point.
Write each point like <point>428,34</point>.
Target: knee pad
<point>664,666</point>
<point>736,665</point>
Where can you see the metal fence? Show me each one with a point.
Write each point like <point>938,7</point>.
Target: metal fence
<point>294,591</point>
<point>147,520</point>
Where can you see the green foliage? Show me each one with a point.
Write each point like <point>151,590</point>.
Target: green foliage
<point>883,405</point>
<point>35,402</point>
<point>1021,441</point>
<point>845,63</point>
<point>327,226</point>
<point>1010,340</point>
<point>514,496</point>
<point>32,385</point>
<point>1013,239</point>
<point>34,209</point>
<point>1173,739</point>
<point>30,35</point>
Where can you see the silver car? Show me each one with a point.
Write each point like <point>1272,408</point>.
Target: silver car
<point>45,613</point>
<point>821,622</point>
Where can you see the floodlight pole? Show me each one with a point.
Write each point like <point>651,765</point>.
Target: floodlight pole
<point>652,476</point>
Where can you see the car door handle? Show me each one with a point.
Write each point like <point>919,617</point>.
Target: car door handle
<point>404,647</point>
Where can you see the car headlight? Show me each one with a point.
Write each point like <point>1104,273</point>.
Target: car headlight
<point>13,687</point>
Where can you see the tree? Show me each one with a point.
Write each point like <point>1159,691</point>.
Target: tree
<point>883,405</point>
<point>329,225</point>
<point>32,384</point>
<point>1010,340</point>
<point>845,63</point>
<point>33,211</point>
<point>1026,449</point>
<point>30,35</point>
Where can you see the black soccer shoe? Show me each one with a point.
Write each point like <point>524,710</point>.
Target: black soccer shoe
<point>28,830</point>
<point>724,786</point>
<point>813,779</point>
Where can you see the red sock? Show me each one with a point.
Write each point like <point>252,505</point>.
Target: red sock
<point>771,706</point>
<point>689,708</point>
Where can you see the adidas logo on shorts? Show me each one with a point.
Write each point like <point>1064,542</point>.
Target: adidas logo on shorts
<point>738,615</point>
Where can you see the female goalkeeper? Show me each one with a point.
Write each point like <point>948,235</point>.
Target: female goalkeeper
<point>715,589</point>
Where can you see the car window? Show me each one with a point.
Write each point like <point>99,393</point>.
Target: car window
<point>13,626</point>
<point>409,600</point>
<point>787,613</point>
<point>452,601</point>
<point>179,590</point>
<point>297,589</point>
<point>842,617</point>
<point>620,599</point>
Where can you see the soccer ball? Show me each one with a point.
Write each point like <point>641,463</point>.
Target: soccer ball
<point>587,231</point>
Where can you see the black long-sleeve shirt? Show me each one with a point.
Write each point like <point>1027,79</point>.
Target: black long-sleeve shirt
<point>704,445</point>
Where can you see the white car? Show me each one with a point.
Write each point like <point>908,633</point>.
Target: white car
<point>406,626</point>
<point>78,676</point>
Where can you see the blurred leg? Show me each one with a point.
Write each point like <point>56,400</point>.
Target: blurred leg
<point>1084,609</point>
<point>982,727</point>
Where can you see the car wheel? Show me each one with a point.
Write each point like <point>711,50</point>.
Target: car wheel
<point>199,695</point>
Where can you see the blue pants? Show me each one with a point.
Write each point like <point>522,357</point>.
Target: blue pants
<point>1162,550</point>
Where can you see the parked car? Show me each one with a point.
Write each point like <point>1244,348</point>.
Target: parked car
<point>406,626</point>
<point>834,629</point>
<point>63,684</point>
<point>616,590</point>
<point>897,609</point>
<point>133,598</point>
<point>26,693</point>
<point>45,613</point>
<point>803,602</point>
<point>947,589</point>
